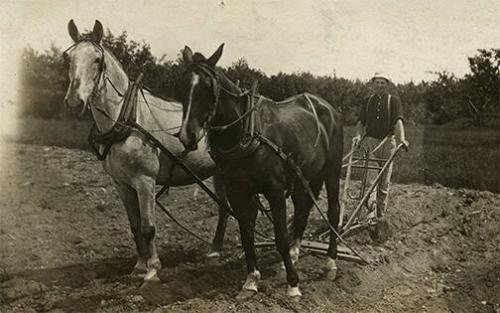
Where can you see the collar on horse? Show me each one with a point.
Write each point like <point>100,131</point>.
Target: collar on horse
<point>248,142</point>
<point>123,125</point>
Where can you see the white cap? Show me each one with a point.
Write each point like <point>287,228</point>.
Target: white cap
<point>382,75</point>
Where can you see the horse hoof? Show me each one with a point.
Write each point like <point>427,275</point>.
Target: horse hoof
<point>331,269</point>
<point>245,294</point>
<point>331,274</point>
<point>213,255</point>
<point>152,276</point>
<point>213,258</point>
<point>293,292</point>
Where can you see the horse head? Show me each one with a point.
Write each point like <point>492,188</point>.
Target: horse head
<point>198,91</point>
<point>86,66</point>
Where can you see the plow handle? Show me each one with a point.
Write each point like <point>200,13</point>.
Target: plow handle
<point>372,186</point>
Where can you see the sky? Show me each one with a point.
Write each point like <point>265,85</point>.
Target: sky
<point>353,39</point>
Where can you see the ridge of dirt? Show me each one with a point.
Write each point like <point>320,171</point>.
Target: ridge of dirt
<point>66,247</point>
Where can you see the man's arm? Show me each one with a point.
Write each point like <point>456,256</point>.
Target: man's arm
<point>399,130</point>
<point>360,130</point>
<point>360,125</point>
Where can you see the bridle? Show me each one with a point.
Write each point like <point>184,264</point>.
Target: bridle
<point>101,72</point>
<point>217,88</point>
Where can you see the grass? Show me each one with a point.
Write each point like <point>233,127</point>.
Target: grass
<point>468,158</point>
<point>61,133</point>
<point>458,158</point>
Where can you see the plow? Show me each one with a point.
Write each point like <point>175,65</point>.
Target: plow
<point>351,220</point>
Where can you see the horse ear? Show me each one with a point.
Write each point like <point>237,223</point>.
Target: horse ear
<point>73,31</point>
<point>187,55</point>
<point>97,32</point>
<point>216,56</point>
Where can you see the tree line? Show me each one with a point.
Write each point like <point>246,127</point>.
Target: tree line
<point>474,97</point>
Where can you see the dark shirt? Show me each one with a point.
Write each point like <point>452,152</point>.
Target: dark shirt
<point>376,117</point>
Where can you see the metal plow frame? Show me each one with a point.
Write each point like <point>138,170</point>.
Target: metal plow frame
<point>353,224</point>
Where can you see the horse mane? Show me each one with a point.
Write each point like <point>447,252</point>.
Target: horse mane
<point>147,90</point>
<point>114,59</point>
<point>227,82</point>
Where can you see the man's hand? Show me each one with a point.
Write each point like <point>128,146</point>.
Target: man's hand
<point>405,144</point>
<point>356,140</point>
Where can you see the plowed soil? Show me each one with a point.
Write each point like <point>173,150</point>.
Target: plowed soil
<point>65,246</point>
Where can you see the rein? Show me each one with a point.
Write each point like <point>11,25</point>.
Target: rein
<point>217,88</point>
<point>248,142</point>
<point>243,116</point>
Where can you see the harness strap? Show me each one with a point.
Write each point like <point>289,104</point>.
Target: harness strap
<point>318,128</point>
<point>298,172</point>
<point>176,221</point>
<point>120,129</point>
<point>246,114</point>
<point>247,143</point>
<point>179,162</point>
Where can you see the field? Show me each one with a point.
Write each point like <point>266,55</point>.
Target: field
<point>66,244</point>
<point>468,158</point>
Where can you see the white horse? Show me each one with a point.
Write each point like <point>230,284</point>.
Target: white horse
<point>98,82</point>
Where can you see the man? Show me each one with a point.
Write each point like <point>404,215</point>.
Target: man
<point>380,117</point>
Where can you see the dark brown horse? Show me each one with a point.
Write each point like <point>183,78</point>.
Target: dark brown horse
<point>242,131</point>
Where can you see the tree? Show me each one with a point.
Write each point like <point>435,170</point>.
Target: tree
<point>43,78</point>
<point>159,74</point>
<point>240,72</point>
<point>444,97</point>
<point>483,85</point>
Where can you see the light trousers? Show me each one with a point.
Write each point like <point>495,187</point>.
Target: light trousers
<point>379,196</point>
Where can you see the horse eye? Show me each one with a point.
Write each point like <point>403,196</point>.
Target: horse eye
<point>97,61</point>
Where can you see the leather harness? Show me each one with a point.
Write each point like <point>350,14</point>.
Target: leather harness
<point>249,141</point>
<point>122,128</point>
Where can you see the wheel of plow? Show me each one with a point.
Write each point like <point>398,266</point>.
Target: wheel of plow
<point>380,231</point>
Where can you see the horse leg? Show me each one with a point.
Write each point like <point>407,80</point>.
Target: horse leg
<point>246,212</point>
<point>145,187</point>
<point>332,183</point>
<point>220,191</point>
<point>302,203</point>
<point>129,198</point>
<point>277,202</point>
